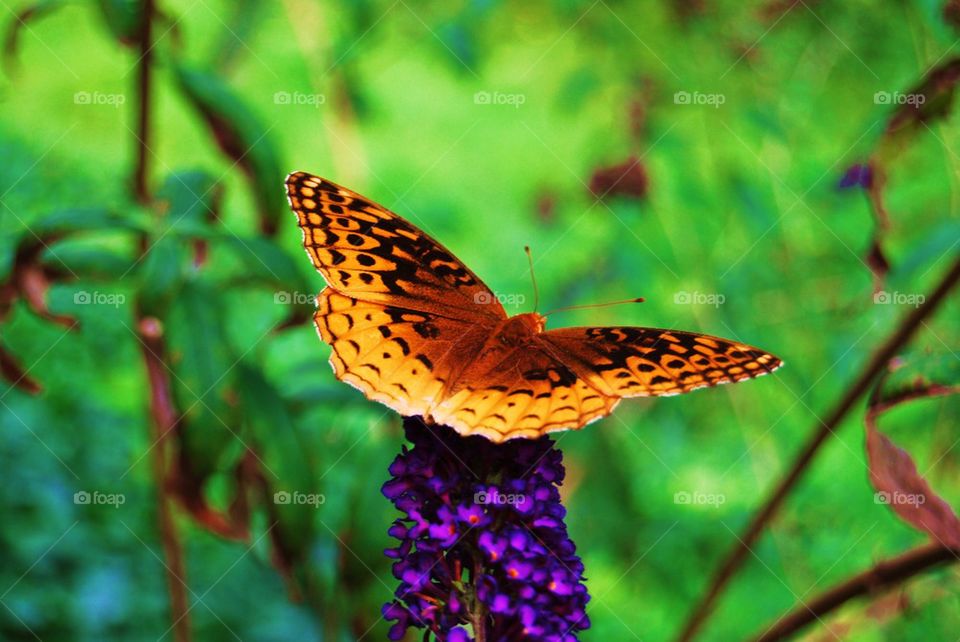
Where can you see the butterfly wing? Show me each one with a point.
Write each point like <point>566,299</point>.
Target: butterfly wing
<point>368,252</point>
<point>400,357</point>
<point>570,377</point>
<point>520,392</point>
<point>402,314</point>
<point>643,362</point>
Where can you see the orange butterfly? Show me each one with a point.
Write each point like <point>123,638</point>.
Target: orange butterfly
<point>413,328</point>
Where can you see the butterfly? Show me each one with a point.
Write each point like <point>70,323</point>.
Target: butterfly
<point>413,328</point>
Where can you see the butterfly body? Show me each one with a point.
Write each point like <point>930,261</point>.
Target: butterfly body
<point>414,328</point>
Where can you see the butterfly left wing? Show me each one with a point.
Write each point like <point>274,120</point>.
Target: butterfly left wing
<point>642,362</point>
<point>402,358</point>
<point>364,250</point>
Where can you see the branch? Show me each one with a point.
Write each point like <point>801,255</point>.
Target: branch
<point>857,389</point>
<point>883,576</point>
<point>144,85</point>
<point>165,421</point>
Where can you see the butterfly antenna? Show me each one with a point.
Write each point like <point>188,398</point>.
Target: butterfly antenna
<point>595,305</point>
<point>536,292</point>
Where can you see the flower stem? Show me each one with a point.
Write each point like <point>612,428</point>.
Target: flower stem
<point>479,615</point>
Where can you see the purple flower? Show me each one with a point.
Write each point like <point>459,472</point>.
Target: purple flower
<point>858,175</point>
<point>482,542</point>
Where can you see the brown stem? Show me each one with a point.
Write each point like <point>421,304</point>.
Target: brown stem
<point>144,85</point>
<point>479,616</point>
<point>883,576</point>
<point>164,417</point>
<point>861,385</point>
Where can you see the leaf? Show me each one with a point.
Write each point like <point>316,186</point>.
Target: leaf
<point>893,472</point>
<point>124,18</point>
<point>265,262</point>
<point>241,136</point>
<point>35,267</point>
<point>286,469</point>
<point>161,273</point>
<point>193,200</point>
<point>203,364</point>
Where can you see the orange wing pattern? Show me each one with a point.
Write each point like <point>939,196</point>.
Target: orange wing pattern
<point>413,328</point>
<point>523,392</point>
<point>400,357</point>
<point>644,362</point>
<point>368,251</point>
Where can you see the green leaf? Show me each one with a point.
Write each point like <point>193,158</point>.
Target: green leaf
<point>162,273</point>
<point>287,467</point>
<point>124,18</point>
<point>204,367</point>
<point>192,197</point>
<point>241,136</point>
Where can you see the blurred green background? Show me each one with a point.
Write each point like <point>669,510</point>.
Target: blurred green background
<point>486,123</point>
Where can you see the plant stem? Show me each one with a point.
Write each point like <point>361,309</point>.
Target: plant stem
<point>144,86</point>
<point>479,615</point>
<point>883,576</point>
<point>858,388</point>
<point>165,421</point>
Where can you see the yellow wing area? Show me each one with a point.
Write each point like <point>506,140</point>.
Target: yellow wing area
<point>400,357</point>
<point>521,393</point>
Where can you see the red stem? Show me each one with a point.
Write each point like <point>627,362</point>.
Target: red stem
<point>164,415</point>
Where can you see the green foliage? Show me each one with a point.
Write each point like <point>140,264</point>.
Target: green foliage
<point>482,123</point>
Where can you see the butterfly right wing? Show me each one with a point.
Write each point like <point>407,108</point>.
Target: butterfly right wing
<point>643,362</point>
<point>365,251</point>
